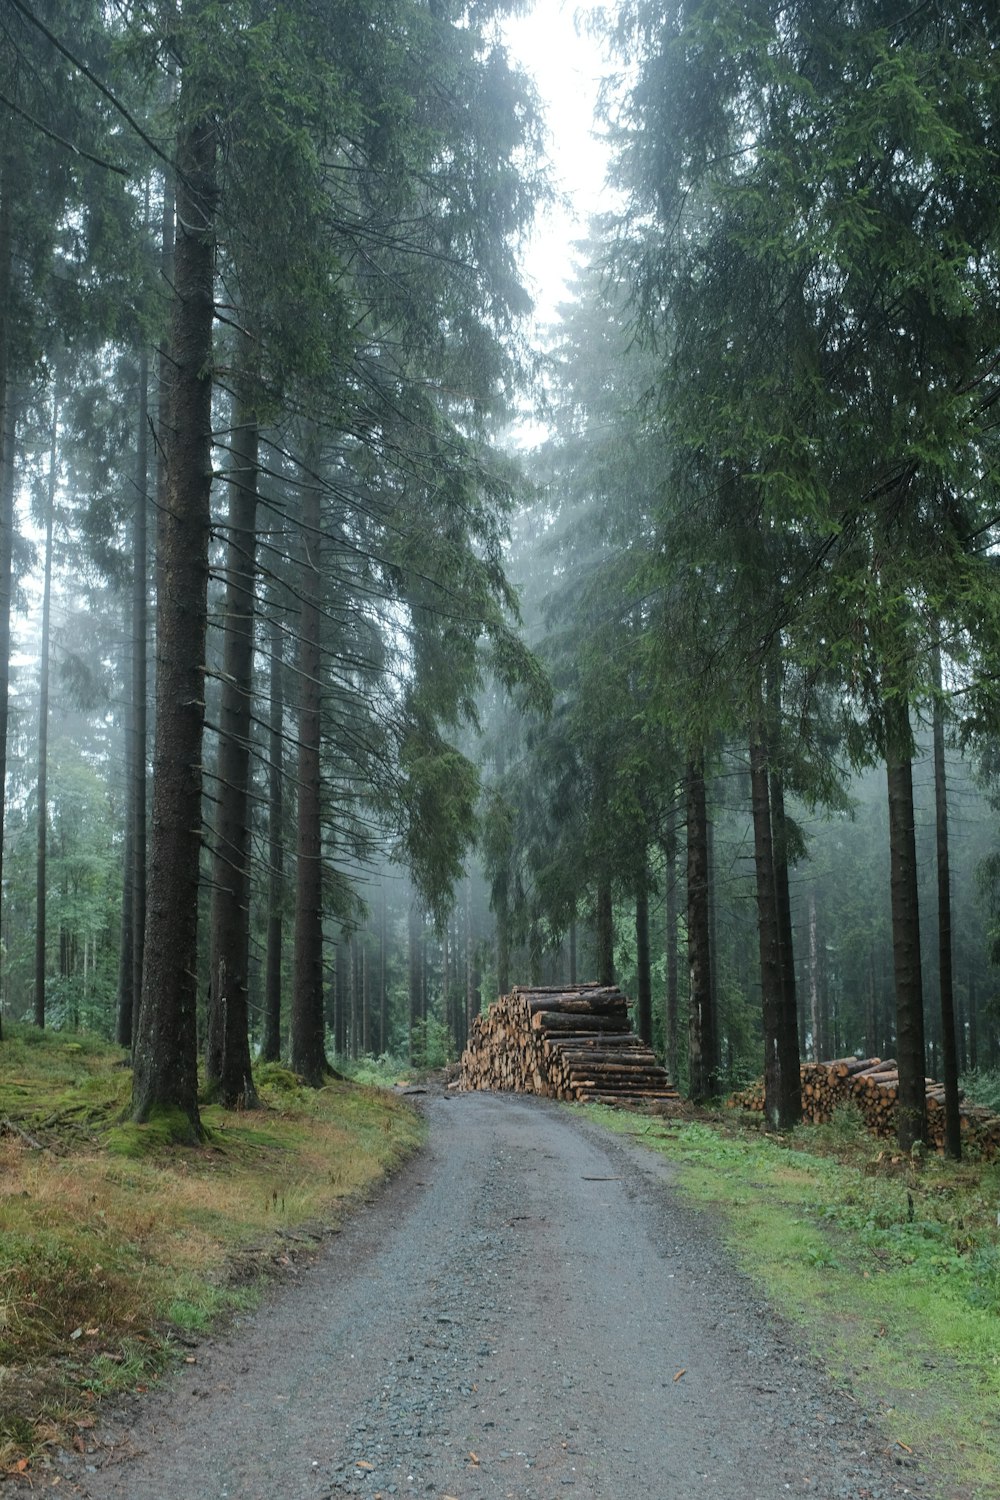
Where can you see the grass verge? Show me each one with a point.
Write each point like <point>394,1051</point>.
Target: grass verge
<point>890,1268</point>
<point>115,1249</point>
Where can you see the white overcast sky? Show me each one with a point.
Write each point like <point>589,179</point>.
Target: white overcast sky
<point>552,44</point>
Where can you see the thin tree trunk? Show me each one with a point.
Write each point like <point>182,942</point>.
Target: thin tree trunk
<point>125,1002</point>
<point>43,731</point>
<point>354,1027</point>
<point>383,992</point>
<point>413,954</point>
<point>366,1000</point>
<point>308,1042</point>
<point>789,1022</point>
<point>814,1006</point>
<point>8,427</point>
<point>229,1068</point>
<point>8,435</point>
<point>604,931</point>
<point>341,995</point>
<point>270,1049</point>
<point>165,1057</point>
<point>572,952</point>
<point>644,984</point>
<point>775,1087</point>
<point>952,1118</point>
<point>502,915</point>
<point>911,1116</point>
<point>671,1027</point>
<point>702,1032</point>
<point>134,881</point>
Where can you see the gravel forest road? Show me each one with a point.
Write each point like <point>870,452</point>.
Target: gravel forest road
<point>510,1317</point>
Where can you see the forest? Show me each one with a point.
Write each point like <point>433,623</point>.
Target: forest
<point>333,706</point>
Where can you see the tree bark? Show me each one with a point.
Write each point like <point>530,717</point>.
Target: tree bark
<point>383,991</point>
<point>229,1070</point>
<point>43,730</point>
<point>702,1030</point>
<point>8,429</point>
<point>165,1059</point>
<point>134,881</point>
<point>8,436</point>
<point>789,1022</point>
<point>767,933</point>
<point>414,968</point>
<point>644,985</point>
<point>671,1026</point>
<point>949,1050</point>
<point>308,1032</point>
<point>814,1006</point>
<point>911,1100</point>
<point>270,1049</point>
<point>604,932</point>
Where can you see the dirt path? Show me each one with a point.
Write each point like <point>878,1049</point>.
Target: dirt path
<point>509,1320</point>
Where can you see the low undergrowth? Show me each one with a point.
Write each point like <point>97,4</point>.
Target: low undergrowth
<point>115,1249</point>
<point>889,1265</point>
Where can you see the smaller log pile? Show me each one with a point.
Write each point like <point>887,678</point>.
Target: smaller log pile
<point>872,1083</point>
<point>565,1043</point>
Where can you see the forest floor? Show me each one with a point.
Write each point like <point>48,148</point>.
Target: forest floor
<point>528,1310</point>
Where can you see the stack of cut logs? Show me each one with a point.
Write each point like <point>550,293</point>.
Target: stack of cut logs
<point>565,1042</point>
<point>873,1084</point>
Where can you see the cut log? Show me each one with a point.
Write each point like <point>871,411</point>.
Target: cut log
<point>566,1043</point>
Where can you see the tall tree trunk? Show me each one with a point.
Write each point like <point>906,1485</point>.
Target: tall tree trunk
<point>308,1041</point>
<point>8,435</point>
<point>125,1000</point>
<point>383,989</point>
<point>140,600</point>
<point>43,730</point>
<point>134,881</point>
<point>228,1064</point>
<point>366,999</point>
<point>702,1030</point>
<point>501,912</point>
<point>644,983</point>
<point>354,1026</point>
<point>471,1005</point>
<point>670,939</point>
<point>789,1022</point>
<point>415,976</point>
<point>604,932</point>
<point>270,1049</point>
<point>572,952</point>
<point>8,428</point>
<point>165,1056</point>
<point>949,1050</point>
<point>341,995</point>
<point>911,1108</point>
<point>814,1005</point>
<point>775,1087</point>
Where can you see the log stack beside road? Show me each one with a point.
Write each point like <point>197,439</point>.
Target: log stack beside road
<point>872,1084</point>
<point>567,1042</point>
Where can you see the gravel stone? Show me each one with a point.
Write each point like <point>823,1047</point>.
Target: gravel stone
<point>506,1320</point>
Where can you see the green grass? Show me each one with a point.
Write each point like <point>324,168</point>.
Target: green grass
<point>116,1244</point>
<point>890,1268</point>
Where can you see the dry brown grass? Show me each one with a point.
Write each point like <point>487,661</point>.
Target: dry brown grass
<point>113,1245</point>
